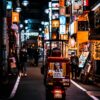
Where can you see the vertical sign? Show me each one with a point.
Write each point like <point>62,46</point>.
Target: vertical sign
<point>77,7</point>
<point>62,3</point>
<point>96,49</point>
<point>86,2</point>
<point>62,10</point>
<point>15,17</point>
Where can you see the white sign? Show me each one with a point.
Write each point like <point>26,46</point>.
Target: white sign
<point>77,7</point>
<point>62,29</point>
<point>57,75</point>
<point>83,59</point>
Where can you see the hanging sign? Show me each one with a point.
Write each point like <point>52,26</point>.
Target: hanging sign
<point>62,20</point>
<point>15,17</point>
<point>86,2</point>
<point>62,29</point>
<point>55,23</point>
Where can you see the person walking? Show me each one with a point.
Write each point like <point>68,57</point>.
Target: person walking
<point>74,65</point>
<point>23,61</point>
<point>36,53</point>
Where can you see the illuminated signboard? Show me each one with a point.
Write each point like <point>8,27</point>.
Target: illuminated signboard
<point>96,49</point>
<point>15,17</point>
<point>62,10</point>
<point>64,36</point>
<point>82,59</point>
<point>62,20</point>
<point>62,3</point>
<point>55,16</point>
<point>55,5</point>
<point>77,7</point>
<point>9,5</point>
<point>68,3</point>
<point>62,29</point>
<point>55,23</point>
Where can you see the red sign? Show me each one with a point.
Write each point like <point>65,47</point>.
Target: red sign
<point>86,2</point>
<point>62,3</point>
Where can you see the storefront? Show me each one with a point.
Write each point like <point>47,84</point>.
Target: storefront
<point>94,38</point>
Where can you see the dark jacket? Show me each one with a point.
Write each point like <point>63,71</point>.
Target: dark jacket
<point>74,60</point>
<point>23,56</point>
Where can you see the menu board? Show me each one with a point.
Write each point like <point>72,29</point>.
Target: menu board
<point>82,59</point>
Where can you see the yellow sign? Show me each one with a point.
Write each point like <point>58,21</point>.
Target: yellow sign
<point>95,49</point>
<point>64,36</point>
<point>55,23</point>
<point>62,10</point>
<point>82,36</point>
<point>15,17</point>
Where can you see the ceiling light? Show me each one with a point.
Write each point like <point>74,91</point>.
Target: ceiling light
<point>25,2</point>
<point>18,9</point>
<point>46,11</point>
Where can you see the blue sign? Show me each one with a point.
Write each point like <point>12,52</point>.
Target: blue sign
<point>62,20</point>
<point>9,5</point>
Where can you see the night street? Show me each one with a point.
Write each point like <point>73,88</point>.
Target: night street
<point>49,49</point>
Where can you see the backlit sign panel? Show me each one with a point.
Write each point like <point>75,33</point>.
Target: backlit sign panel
<point>62,3</point>
<point>55,23</point>
<point>62,20</point>
<point>62,29</point>
<point>95,48</point>
<point>15,17</point>
<point>62,10</point>
<point>55,5</point>
<point>77,7</point>
<point>86,2</point>
<point>55,14</point>
<point>9,5</point>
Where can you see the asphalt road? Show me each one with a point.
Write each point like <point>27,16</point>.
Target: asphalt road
<point>32,88</point>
